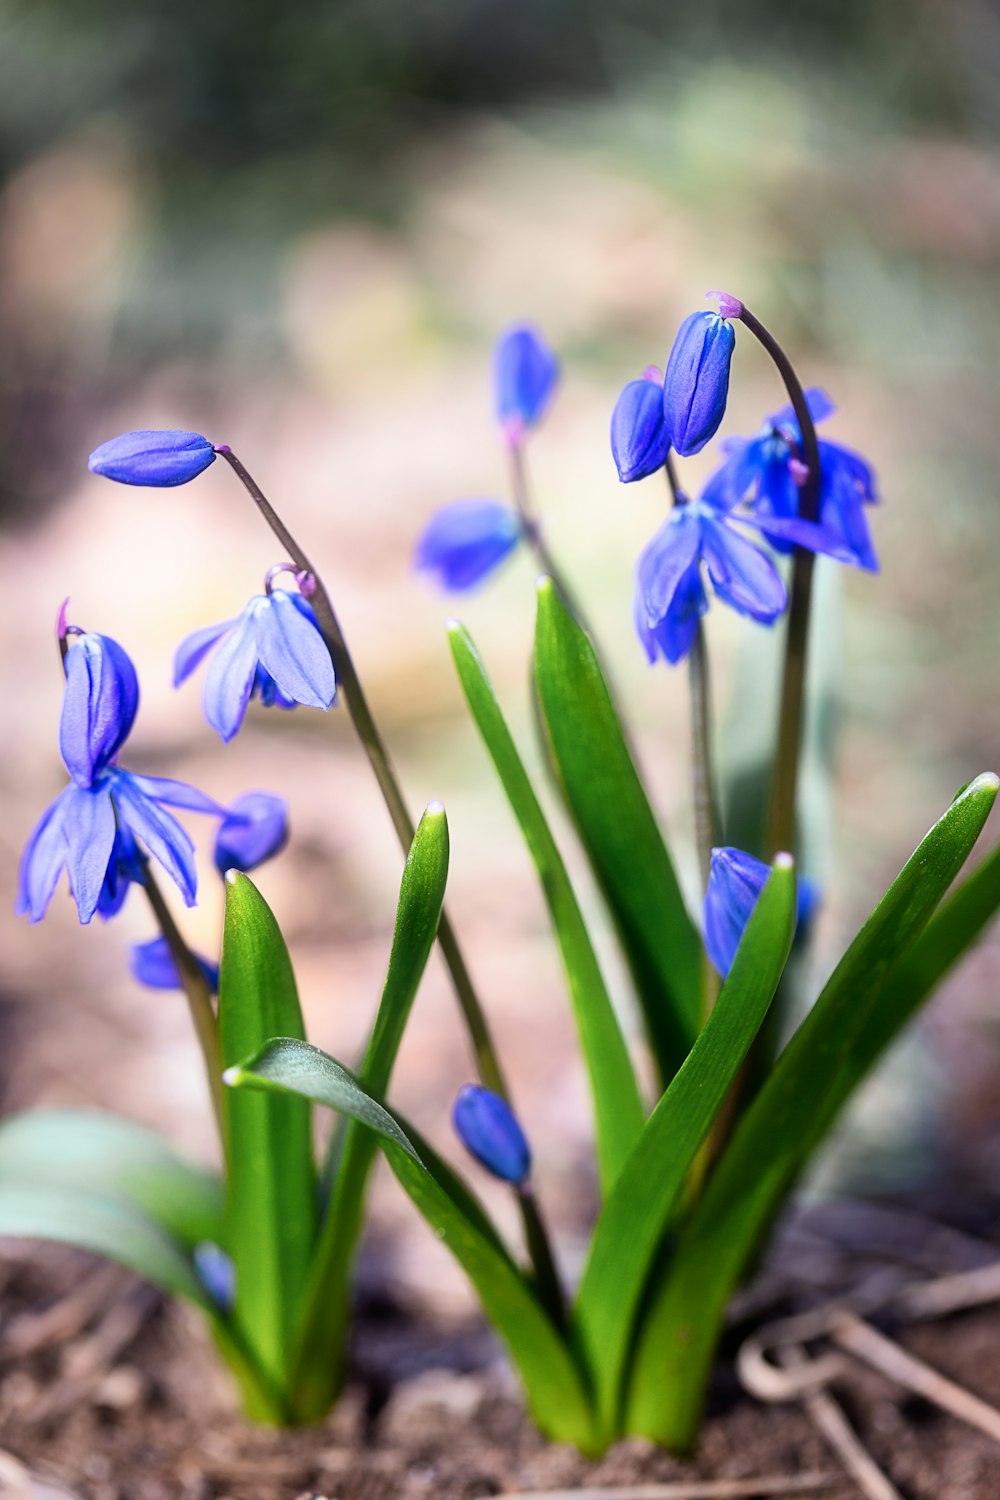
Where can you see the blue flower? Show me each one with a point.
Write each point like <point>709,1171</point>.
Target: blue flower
<point>734,884</point>
<point>127,866</point>
<point>274,649</point>
<point>488,1128</point>
<point>254,829</point>
<point>217,1273</point>
<point>153,458</point>
<point>99,705</point>
<point>466,540</point>
<point>152,964</point>
<point>767,472</point>
<point>696,383</point>
<point>640,440</point>
<point>525,372</point>
<point>671,596</point>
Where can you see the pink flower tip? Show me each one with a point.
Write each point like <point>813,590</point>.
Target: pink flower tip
<point>798,470</point>
<point>653,374</point>
<point>61,619</point>
<point>729,307</point>
<point>514,430</point>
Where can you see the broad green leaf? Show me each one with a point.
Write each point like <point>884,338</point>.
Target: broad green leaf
<point>271,1208</point>
<point>101,1153</point>
<point>636,1216</point>
<point>619,831</point>
<point>810,1082</point>
<point>617,1105</point>
<point>319,1355</point>
<point>552,1381</point>
<point>103,1225</point>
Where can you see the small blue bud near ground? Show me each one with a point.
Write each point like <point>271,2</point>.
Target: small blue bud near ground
<point>696,382</point>
<point>466,541</point>
<point>488,1128</point>
<point>640,440</point>
<point>217,1273</point>
<point>156,459</point>
<point>152,964</point>
<point>525,374</point>
<point>254,829</point>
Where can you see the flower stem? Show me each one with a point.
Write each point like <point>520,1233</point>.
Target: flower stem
<point>385,774</point>
<point>781,814</point>
<point>547,1281</point>
<point>199,996</point>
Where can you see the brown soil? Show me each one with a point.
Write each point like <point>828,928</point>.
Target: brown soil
<point>111,1394</point>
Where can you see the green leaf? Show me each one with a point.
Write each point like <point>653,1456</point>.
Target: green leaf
<point>617,1105</point>
<point>319,1356</point>
<point>619,831</point>
<point>811,1081</point>
<point>553,1383</point>
<point>101,1153</point>
<point>103,1225</point>
<point>271,1176</point>
<point>630,1230</point>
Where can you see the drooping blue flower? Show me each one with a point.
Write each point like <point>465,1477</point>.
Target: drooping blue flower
<point>152,964</point>
<point>466,540</point>
<point>671,596</point>
<point>99,705</point>
<point>155,458</point>
<point>487,1127</point>
<point>640,440</point>
<point>254,829</point>
<point>696,383</point>
<point>525,372</point>
<point>274,648</point>
<point>126,867</point>
<point>767,472</point>
<point>735,882</point>
<point>217,1273</point>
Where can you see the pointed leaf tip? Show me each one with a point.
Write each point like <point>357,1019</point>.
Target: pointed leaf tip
<point>434,809</point>
<point>783,861</point>
<point>231,1076</point>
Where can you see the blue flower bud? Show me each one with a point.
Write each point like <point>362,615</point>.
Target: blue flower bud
<point>487,1128</point>
<point>254,829</point>
<point>217,1273</point>
<point>525,372</point>
<point>734,884</point>
<point>152,964</point>
<point>465,540</point>
<point>153,458</point>
<point>99,706</point>
<point>640,441</point>
<point>696,384</point>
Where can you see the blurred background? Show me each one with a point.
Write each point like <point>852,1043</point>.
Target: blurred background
<point>299,229</point>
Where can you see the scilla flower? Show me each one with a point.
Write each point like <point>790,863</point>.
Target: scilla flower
<point>466,540</point>
<point>671,597</point>
<point>525,372</point>
<point>254,829</point>
<point>696,383</point>
<point>640,440</point>
<point>273,649</point>
<point>734,884</point>
<point>153,458</point>
<point>488,1128</point>
<point>96,825</point>
<point>152,964</point>
<point>767,472</point>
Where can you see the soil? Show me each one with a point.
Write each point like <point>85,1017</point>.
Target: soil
<point>108,1392</point>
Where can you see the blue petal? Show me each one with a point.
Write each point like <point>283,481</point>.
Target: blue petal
<point>290,647</point>
<point>673,636</point>
<point>89,827</point>
<point>466,540</point>
<point>741,575</point>
<point>43,861</point>
<point>177,794</point>
<point>217,1273</point>
<point>734,884</point>
<point>640,441</point>
<point>153,458</point>
<point>195,647</point>
<point>254,830</point>
<point>230,677</point>
<point>267,690</point>
<point>125,868</point>
<point>819,404</point>
<point>696,383</point>
<point>525,372</point>
<point>161,833</point>
<point>152,964</point>
<point>488,1128</point>
<point>99,706</point>
<point>668,558</point>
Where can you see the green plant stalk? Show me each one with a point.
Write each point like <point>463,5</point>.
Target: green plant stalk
<point>198,995</point>
<point>521,491</point>
<point>375,748</point>
<point>781,814</point>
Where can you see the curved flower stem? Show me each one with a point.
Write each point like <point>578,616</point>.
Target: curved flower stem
<point>199,997</point>
<point>781,814</point>
<point>533,531</point>
<point>377,752</point>
<point>547,1283</point>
